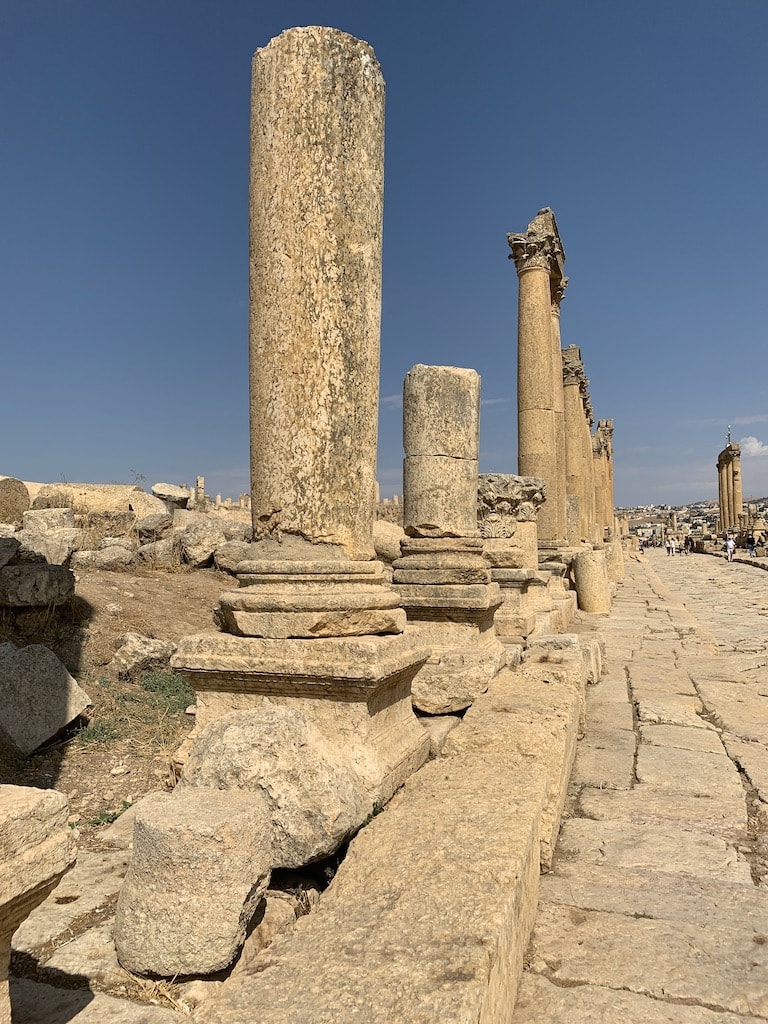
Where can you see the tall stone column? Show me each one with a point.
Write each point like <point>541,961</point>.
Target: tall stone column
<point>722,525</point>
<point>314,625</point>
<point>578,475</point>
<point>539,258</point>
<point>442,578</point>
<point>738,490</point>
<point>316,195</point>
<point>558,292</point>
<point>728,472</point>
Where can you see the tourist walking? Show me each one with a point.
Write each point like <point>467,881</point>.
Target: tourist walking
<point>730,547</point>
<point>672,546</point>
<point>751,546</point>
<point>668,545</point>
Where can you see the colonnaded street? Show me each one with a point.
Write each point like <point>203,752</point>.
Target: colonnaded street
<point>656,907</point>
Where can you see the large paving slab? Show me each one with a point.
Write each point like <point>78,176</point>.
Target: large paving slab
<point>721,968</point>
<point>33,1003</point>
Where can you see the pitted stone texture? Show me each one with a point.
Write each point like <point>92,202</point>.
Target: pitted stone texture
<point>198,543</point>
<point>14,500</point>
<point>112,558</point>
<point>36,848</point>
<point>316,195</point>
<point>228,556</point>
<point>42,520</point>
<point>201,862</point>
<point>387,538</point>
<point>441,412</point>
<point>56,546</point>
<point>314,798</point>
<point>590,572</point>
<point>164,552</point>
<point>439,496</point>
<point>38,697</point>
<point>137,653</point>
<point>35,585</point>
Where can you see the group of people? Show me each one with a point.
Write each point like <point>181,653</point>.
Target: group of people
<point>671,545</point>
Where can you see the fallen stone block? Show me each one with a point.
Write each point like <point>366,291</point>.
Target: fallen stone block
<point>115,556</point>
<point>36,849</point>
<point>38,697</point>
<point>198,543</point>
<point>137,653</point>
<point>35,585</point>
<point>43,519</point>
<point>14,500</point>
<point>201,863</point>
<point>315,799</point>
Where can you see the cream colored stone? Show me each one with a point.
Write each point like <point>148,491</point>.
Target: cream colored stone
<point>592,585</point>
<point>36,849</point>
<point>317,138</point>
<point>441,412</point>
<point>439,496</point>
<point>201,862</point>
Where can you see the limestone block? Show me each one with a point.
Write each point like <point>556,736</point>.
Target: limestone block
<point>138,653</point>
<point>144,504</point>
<point>160,552</point>
<point>56,546</point>
<point>198,543</point>
<point>201,862</point>
<point>387,538</point>
<point>592,584</point>
<point>35,585</point>
<point>173,496</point>
<point>111,558</point>
<point>439,496</point>
<point>438,728</point>
<point>228,556</point>
<point>153,526</point>
<point>314,798</point>
<point>38,697</point>
<point>8,549</point>
<point>36,848</point>
<point>34,1002</point>
<point>441,412</point>
<point>235,529</point>
<point>14,500</point>
<point>41,520</point>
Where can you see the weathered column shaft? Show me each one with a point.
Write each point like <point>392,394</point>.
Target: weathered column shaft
<point>316,194</point>
<point>721,492</point>
<point>539,257</point>
<point>559,411</point>
<point>738,492</point>
<point>441,438</point>
<point>729,493</point>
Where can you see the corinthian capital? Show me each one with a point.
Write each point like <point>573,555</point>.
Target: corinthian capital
<point>540,247</point>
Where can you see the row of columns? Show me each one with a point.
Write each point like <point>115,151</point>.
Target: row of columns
<point>553,407</point>
<point>729,487</point>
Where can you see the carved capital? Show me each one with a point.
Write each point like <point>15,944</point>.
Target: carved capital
<point>504,500</point>
<point>540,248</point>
<point>530,253</point>
<point>557,287</point>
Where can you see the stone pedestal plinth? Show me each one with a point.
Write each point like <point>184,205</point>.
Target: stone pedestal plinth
<point>36,849</point>
<point>310,599</point>
<point>515,619</point>
<point>356,692</point>
<point>446,589</point>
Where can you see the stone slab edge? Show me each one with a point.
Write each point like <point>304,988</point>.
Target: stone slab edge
<point>430,914</point>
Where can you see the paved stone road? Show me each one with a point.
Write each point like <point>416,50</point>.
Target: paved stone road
<point>656,909</point>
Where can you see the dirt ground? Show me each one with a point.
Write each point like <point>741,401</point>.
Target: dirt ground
<point>123,747</point>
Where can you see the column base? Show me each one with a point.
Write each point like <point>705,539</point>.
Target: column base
<point>355,690</point>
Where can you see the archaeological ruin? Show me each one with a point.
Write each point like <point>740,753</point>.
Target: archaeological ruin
<point>402,701</point>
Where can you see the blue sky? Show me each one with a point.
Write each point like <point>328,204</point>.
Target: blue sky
<point>124,224</point>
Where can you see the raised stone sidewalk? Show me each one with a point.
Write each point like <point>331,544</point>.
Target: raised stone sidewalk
<point>656,908</point>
